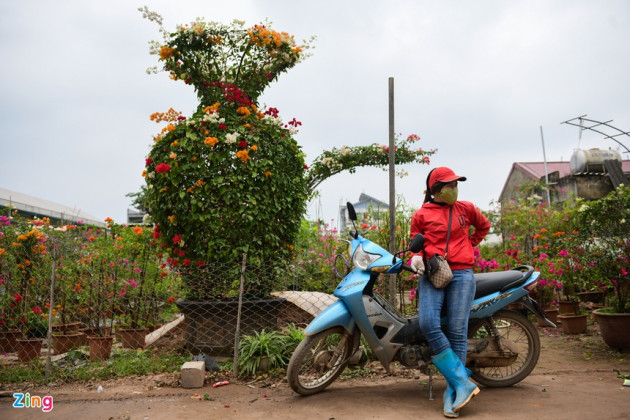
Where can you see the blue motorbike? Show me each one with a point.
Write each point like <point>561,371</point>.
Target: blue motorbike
<point>503,344</point>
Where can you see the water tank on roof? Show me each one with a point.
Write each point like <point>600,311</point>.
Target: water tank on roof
<point>591,160</point>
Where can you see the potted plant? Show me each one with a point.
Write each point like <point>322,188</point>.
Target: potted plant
<point>262,351</point>
<point>606,238</point>
<point>34,331</point>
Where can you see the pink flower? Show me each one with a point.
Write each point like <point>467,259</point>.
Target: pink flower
<point>542,256</point>
<point>624,272</point>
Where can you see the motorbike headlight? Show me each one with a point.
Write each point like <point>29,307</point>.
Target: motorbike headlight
<point>362,259</point>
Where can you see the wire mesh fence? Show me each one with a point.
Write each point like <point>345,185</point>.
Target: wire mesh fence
<point>77,297</point>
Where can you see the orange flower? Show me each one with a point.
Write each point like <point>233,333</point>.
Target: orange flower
<point>166,52</point>
<point>171,218</point>
<point>199,183</point>
<point>211,141</point>
<point>243,111</point>
<point>254,147</point>
<point>243,155</point>
<point>109,219</point>
<point>211,108</point>
<point>267,174</point>
<point>137,230</point>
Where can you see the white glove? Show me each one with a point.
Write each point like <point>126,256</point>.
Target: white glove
<point>418,264</point>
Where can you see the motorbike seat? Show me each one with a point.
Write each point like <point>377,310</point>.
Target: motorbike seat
<point>499,281</point>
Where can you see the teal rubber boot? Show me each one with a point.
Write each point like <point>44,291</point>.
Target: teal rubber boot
<point>449,397</point>
<point>455,373</point>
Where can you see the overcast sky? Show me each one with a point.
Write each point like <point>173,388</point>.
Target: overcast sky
<point>476,80</point>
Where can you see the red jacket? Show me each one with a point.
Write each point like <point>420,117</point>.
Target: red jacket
<point>431,220</point>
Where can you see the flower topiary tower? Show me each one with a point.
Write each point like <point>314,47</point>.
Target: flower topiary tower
<point>230,178</point>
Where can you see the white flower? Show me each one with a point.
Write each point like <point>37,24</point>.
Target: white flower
<point>231,138</point>
<point>583,208</point>
<point>213,118</point>
<point>327,161</point>
<point>345,151</point>
<point>146,219</point>
<point>151,174</point>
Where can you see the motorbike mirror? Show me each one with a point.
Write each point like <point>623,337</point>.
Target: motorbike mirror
<point>417,243</point>
<point>352,214</point>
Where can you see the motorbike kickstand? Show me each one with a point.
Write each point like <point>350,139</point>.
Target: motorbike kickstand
<point>430,384</point>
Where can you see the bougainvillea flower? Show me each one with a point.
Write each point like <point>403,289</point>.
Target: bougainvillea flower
<point>242,144</point>
<point>162,168</point>
<point>210,141</point>
<point>148,161</point>
<point>177,238</point>
<point>243,155</point>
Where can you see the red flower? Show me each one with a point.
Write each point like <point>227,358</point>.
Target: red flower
<point>162,168</point>
<point>306,167</point>
<point>223,126</point>
<point>242,144</point>
<point>177,238</point>
<point>171,299</point>
<point>148,161</point>
<point>294,122</point>
<point>37,310</point>
<point>17,297</point>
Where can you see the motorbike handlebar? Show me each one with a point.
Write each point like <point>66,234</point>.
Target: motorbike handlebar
<point>409,268</point>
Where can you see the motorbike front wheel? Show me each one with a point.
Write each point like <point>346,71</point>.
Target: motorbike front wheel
<point>522,336</point>
<point>318,360</point>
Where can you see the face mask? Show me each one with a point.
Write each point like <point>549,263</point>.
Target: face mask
<point>449,195</point>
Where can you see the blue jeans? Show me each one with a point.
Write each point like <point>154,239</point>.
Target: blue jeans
<point>458,297</point>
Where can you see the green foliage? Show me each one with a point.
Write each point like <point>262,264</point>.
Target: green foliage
<point>577,246</point>
<point>262,345</point>
<point>334,161</point>
<point>605,234</point>
<point>99,274</point>
<point>76,367</point>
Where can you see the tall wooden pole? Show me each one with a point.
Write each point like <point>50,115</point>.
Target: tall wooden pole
<point>392,189</point>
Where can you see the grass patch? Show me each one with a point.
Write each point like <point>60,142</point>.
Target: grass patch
<point>76,367</point>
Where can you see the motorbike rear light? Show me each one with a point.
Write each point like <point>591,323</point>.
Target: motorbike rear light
<point>531,286</point>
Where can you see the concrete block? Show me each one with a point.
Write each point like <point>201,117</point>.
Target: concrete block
<point>193,374</point>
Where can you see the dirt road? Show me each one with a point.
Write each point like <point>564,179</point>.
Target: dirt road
<point>574,379</point>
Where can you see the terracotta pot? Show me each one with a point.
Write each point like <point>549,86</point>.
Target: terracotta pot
<point>8,342</point>
<point>98,331</point>
<point>66,328</point>
<point>29,348</point>
<point>573,324</point>
<point>63,343</point>
<point>551,315</point>
<point>100,347</point>
<point>132,338</point>
<point>615,329</point>
<point>566,306</point>
<point>593,296</point>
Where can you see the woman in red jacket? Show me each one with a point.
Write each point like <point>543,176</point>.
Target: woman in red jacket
<point>431,220</point>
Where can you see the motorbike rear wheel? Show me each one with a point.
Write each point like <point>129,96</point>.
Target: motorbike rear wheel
<point>318,360</point>
<point>521,332</point>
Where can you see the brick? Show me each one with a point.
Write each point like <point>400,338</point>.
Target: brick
<point>193,374</point>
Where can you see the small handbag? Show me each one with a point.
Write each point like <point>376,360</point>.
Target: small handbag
<point>438,270</point>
